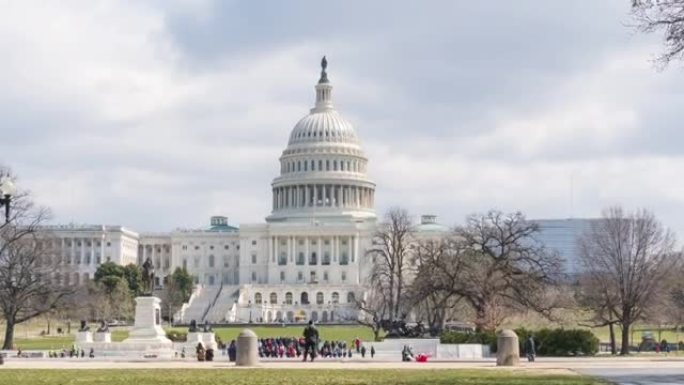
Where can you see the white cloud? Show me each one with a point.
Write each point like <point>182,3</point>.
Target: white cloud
<point>111,119</point>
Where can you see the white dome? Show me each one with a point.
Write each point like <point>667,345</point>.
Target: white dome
<point>323,126</point>
<point>323,168</point>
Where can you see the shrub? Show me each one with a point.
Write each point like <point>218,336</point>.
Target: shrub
<point>484,338</point>
<point>177,336</point>
<point>561,342</point>
<point>549,342</point>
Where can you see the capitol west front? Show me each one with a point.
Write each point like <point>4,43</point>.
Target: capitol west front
<point>308,261</point>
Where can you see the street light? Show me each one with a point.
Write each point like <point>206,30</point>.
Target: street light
<point>7,191</point>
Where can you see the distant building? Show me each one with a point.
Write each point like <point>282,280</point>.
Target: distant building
<point>562,235</point>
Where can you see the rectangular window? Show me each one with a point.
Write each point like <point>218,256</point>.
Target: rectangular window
<point>282,276</point>
<point>325,276</point>
<point>254,277</point>
<point>254,259</point>
<point>344,276</point>
<point>254,242</point>
<point>300,276</point>
<point>185,247</point>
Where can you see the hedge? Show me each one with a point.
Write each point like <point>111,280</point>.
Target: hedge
<point>177,336</point>
<point>549,342</point>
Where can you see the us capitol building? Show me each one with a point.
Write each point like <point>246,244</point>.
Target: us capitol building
<point>308,261</point>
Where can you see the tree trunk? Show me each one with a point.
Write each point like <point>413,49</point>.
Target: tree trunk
<point>9,335</point>
<point>481,323</point>
<point>613,347</point>
<point>624,350</point>
<point>376,334</point>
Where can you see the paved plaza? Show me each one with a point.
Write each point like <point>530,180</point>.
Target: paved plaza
<point>621,370</point>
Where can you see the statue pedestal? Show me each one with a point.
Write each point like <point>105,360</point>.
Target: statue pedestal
<point>84,337</point>
<point>209,341</point>
<point>147,330</point>
<point>102,337</point>
<point>194,338</point>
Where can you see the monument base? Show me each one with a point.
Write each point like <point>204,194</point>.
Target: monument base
<point>147,327</point>
<point>102,337</point>
<point>84,337</point>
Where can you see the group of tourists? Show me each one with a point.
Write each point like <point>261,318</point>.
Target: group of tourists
<point>74,352</point>
<point>309,346</point>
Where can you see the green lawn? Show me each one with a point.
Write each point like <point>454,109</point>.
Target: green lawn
<point>345,333</point>
<point>287,377</point>
<point>342,333</point>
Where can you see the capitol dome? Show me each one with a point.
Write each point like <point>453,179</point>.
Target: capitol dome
<point>323,167</point>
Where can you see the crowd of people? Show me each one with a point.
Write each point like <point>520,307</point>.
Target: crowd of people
<point>292,347</point>
<point>310,345</point>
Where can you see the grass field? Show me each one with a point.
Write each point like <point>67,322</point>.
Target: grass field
<point>344,333</point>
<point>341,333</point>
<point>287,377</point>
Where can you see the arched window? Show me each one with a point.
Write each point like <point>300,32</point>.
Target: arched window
<point>273,298</point>
<point>350,297</point>
<point>313,259</point>
<point>304,298</point>
<point>288,298</point>
<point>319,298</point>
<point>257,298</point>
<point>211,260</point>
<point>335,297</point>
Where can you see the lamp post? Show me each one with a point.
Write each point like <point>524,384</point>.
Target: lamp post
<point>7,191</point>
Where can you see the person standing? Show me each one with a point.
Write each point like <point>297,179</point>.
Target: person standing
<point>372,351</point>
<point>363,351</point>
<point>310,341</point>
<point>530,349</point>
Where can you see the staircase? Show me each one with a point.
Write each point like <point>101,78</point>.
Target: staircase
<point>222,305</point>
<point>201,304</point>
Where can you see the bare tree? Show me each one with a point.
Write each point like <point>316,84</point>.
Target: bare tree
<point>665,15</point>
<point>601,301</point>
<point>374,307</point>
<point>390,253</point>
<point>27,264</point>
<point>438,272</point>
<point>627,259</point>
<point>494,264</point>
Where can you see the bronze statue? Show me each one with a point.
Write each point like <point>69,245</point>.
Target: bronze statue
<point>193,327</point>
<point>84,326</point>
<point>148,277</point>
<point>324,75</point>
<point>104,328</point>
<point>207,327</point>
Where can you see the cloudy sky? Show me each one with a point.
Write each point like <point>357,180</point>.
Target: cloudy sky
<point>157,114</point>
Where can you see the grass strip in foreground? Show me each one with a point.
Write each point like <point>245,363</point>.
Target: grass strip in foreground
<point>286,377</point>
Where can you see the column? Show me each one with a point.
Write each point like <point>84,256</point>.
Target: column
<point>319,254</point>
<point>289,249</point>
<point>336,249</point>
<point>315,195</point>
<point>307,196</point>
<point>270,250</point>
<point>307,246</point>
<point>293,247</point>
<point>349,248</point>
<point>275,247</point>
<point>93,242</point>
